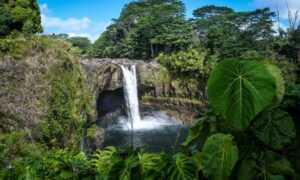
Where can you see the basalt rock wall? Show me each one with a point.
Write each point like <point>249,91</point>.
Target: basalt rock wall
<point>104,76</point>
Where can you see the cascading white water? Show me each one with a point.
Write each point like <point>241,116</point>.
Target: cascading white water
<point>131,94</point>
<point>134,121</point>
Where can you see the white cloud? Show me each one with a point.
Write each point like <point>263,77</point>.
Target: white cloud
<point>91,37</point>
<point>79,34</point>
<point>279,5</point>
<point>43,7</point>
<point>81,27</point>
<point>70,24</point>
<point>94,32</point>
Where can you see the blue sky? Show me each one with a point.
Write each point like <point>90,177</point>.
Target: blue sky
<point>89,18</point>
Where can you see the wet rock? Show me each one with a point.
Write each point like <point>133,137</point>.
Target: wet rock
<point>93,139</point>
<point>106,75</point>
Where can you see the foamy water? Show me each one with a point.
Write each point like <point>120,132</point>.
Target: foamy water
<point>155,120</point>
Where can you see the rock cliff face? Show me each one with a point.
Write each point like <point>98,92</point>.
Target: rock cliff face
<point>106,74</point>
<point>43,93</point>
<point>104,77</point>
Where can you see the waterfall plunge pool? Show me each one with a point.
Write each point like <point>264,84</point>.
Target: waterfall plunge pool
<point>154,132</point>
<point>157,132</point>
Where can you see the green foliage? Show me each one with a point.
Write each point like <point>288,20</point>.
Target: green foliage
<point>240,90</point>
<point>201,129</point>
<point>219,155</point>
<point>20,15</point>
<point>104,160</point>
<point>17,153</point>
<point>109,163</point>
<point>292,96</point>
<point>247,92</point>
<point>189,64</point>
<point>181,167</point>
<point>69,103</point>
<point>83,43</point>
<point>194,133</point>
<point>64,164</point>
<point>150,165</point>
<point>64,109</point>
<point>144,29</point>
<point>267,165</point>
<point>219,158</point>
<point>276,73</point>
<point>230,33</point>
<point>275,128</point>
<point>5,20</point>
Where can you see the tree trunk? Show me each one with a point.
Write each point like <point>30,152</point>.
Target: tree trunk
<point>152,51</point>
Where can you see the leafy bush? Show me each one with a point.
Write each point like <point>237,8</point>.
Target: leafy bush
<point>189,64</point>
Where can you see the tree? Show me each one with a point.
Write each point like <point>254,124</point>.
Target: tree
<point>20,15</point>
<point>82,43</point>
<point>230,33</point>
<point>144,29</point>
<point>207,16</point>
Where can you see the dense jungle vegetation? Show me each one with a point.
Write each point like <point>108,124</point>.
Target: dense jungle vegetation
<point>248,69</point>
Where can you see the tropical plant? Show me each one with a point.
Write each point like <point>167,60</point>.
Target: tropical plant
<point>240,90</point>
<point>219,156</point>
<point>236,87</point>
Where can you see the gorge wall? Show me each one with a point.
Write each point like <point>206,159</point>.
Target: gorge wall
<point>156,89</point>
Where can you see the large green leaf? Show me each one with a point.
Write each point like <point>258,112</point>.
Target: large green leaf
<point>126,171</point>
<point>150,165</point>
<point>219,155</point>
<point>275,128</point>
<point>280,88</point>
<point>239,90</point>
<point>181,167</point>
<point>104,160</point>
<point>267,166</point>
<point>197,160</point>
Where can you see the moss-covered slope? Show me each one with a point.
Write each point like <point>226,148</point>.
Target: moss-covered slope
<point>43,94</point>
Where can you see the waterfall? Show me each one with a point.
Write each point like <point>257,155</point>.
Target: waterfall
<point>131,94</point>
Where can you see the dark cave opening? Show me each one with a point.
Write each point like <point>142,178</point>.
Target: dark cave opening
<point>110,103</point>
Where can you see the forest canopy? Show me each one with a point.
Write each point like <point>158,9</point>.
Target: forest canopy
<point>147,28</point>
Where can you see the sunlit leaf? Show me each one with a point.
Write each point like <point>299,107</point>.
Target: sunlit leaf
<point>275,128</point>
<point>239,90</point>
<point>280,88</point>
<point>219,155</point>
<point>150,165</point>
<point>181,167</point>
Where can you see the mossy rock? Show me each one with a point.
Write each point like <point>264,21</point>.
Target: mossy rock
<point>43,84</point>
